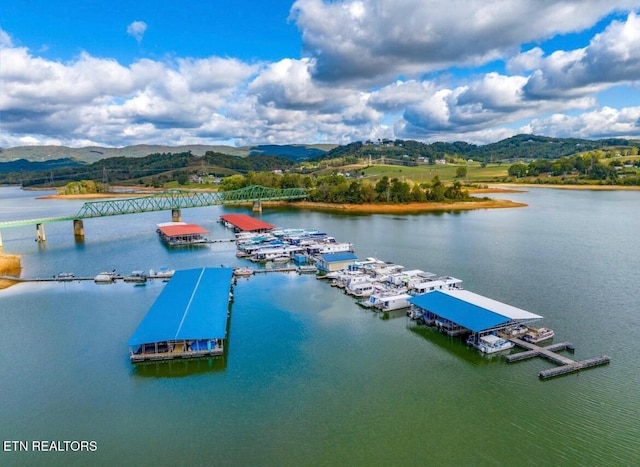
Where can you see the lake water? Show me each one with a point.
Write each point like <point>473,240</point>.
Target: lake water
<point>310,378</point>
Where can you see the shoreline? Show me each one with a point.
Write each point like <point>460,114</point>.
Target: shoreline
<point>568,187</point>
<point>9,266</point>
<point>409,208</point>
<point>354,208</point>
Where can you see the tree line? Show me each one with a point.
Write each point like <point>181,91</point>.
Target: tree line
<point>338,189</point>
<point>579,167</point>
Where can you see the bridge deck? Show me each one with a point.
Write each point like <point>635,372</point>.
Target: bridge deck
<point>168,201</point>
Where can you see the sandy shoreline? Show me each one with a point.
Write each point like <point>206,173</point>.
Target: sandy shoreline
<point>9,266</point>
<point>403,208</point>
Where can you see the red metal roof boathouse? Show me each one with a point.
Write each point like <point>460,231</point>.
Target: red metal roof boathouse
<point>181,233</point>
<point>244,223</point>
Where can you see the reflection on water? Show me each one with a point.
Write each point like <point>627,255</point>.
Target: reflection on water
<point>454,345</point>
<point>180,368</point>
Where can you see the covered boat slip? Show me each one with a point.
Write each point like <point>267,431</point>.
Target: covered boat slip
<point>181,233</point>
<point>244,223</point>
<point>188,319</point>
<point>469,310</point>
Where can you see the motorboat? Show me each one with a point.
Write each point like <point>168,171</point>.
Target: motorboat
<point>105,277</point>
<point>243,272</point>
<point>138,277</point>
<point>64,276</point>
<point>162,273</point>
<point>307,269</point>
<point>533,336</point>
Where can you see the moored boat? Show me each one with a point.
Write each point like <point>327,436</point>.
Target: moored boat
<point>105,277</point>
<point>64,276</point>
<point>136,277</point>
<point>533,336</point>
<point>243,272</point>
<point>489,343</point>
<point>307,269</point>
<point>162,273</point>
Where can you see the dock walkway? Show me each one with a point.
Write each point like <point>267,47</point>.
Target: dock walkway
<point>566,365</point>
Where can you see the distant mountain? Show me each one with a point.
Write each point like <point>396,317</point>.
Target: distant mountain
<point>517,147</point>
<point>96,153</point>
<point>23,165</point>
<point>294,152</point>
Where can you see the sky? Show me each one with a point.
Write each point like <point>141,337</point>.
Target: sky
<point>243,72</point>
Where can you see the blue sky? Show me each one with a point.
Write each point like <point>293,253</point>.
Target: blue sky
<point>242,72</point>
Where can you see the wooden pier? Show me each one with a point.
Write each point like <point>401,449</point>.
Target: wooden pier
<point>566,365</point>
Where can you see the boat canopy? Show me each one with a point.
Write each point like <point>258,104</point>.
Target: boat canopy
<point>193,305</point>
<point>470,310</point>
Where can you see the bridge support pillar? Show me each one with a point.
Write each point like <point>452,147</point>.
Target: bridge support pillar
<point>78,228</point>
<point>176,215</point>
<point>40,234</point>
<point>257,206</point>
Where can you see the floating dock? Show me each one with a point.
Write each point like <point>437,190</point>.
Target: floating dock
<point>187,320</point>
<point>566,365</point>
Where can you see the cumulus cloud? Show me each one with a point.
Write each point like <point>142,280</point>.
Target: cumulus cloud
<point>137,30</point>
<point>371,69</point>
<point>612,56</point>
<point>373,40</point>
<point>603,122</point>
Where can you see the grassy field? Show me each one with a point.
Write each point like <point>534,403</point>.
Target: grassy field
<point>446,173</point>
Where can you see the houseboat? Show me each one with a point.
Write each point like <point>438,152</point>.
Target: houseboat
<point>396,301</point>
<point>489,343</point>
<point>360,288</point>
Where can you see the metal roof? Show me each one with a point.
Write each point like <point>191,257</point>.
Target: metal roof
<point>193,305</point>
<point>470,310</point>
<point>503,309</point>
<point>246,223</point>
<point>179,229</point>
<point>341,256</point>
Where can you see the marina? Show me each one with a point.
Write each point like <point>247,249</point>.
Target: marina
<point>304,364</point>
<point>487,325</point>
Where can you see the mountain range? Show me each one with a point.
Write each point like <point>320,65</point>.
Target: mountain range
<point>34,158</point>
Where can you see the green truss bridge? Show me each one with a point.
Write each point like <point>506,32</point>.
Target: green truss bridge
<point>170,200</point>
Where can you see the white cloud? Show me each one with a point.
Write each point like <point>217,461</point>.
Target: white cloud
<point>373,69</point>
<point>374,40</point>
<point>5,39</point>
<point>137,30</point>
<point>603,122</point>
<point>611,57</point>
<point>526,61</point>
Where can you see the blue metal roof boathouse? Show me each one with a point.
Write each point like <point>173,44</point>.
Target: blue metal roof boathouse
<point>460,311</point>
<point>188,319</point>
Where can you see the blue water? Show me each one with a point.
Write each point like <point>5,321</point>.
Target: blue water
<point>312,379</point>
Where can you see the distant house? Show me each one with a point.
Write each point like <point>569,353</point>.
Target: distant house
<point>335,261</point>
